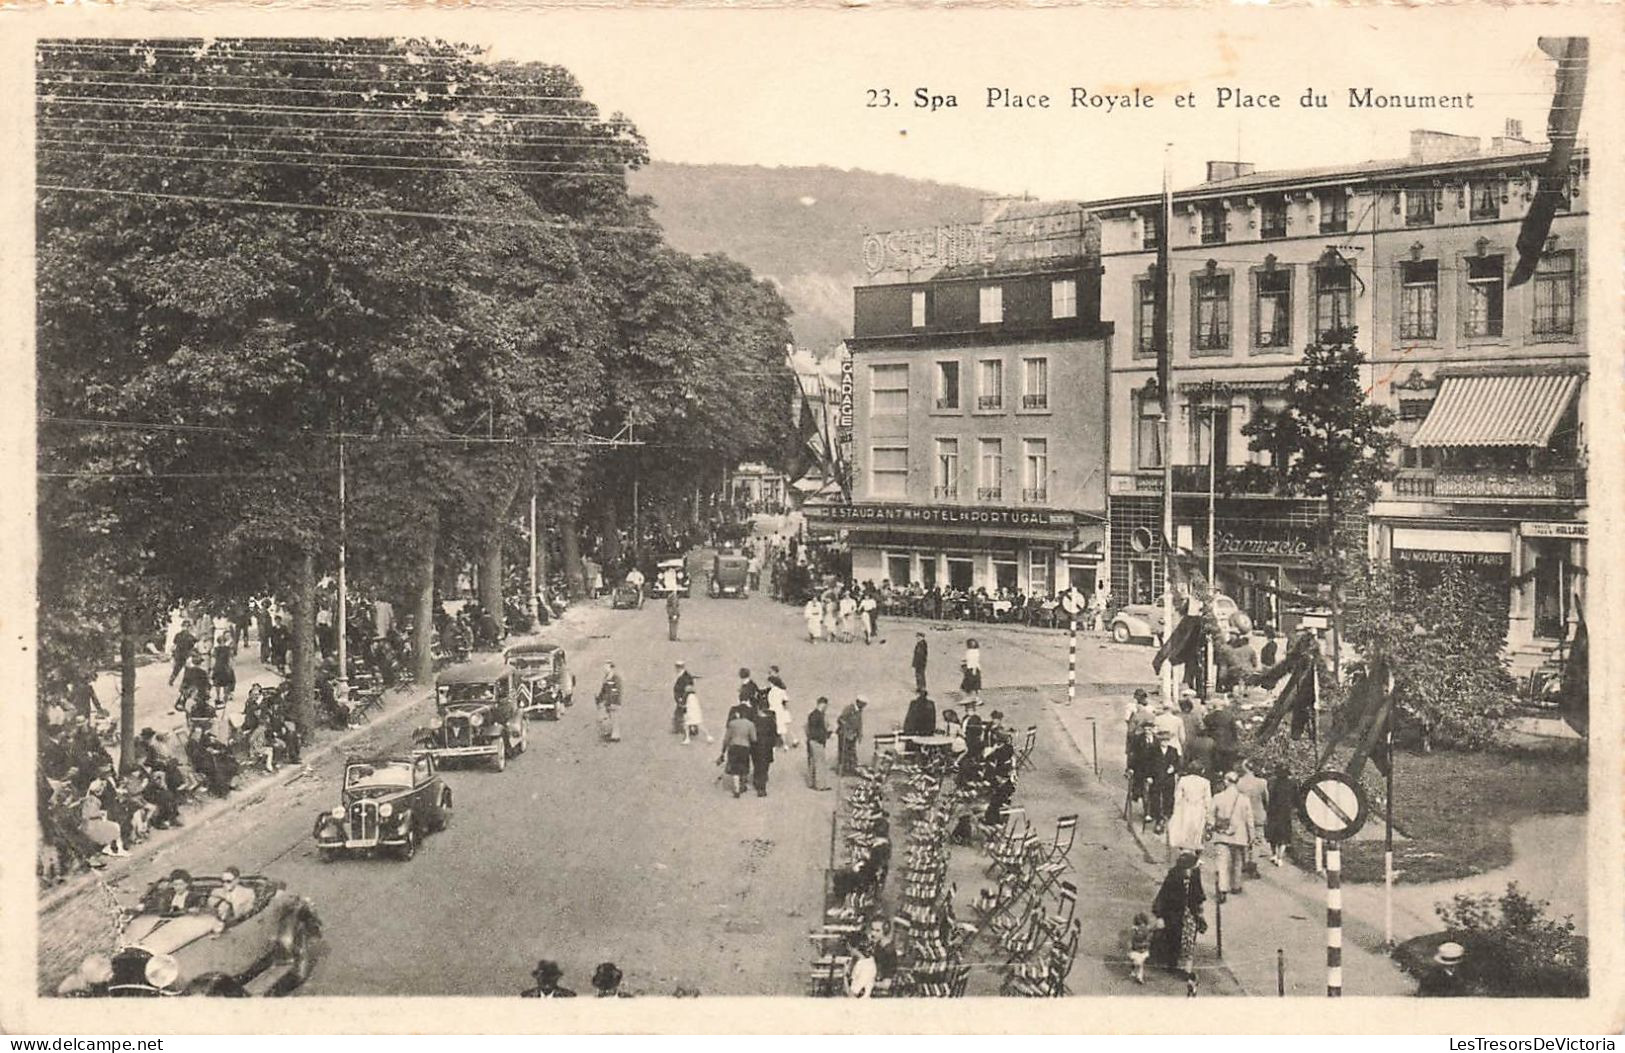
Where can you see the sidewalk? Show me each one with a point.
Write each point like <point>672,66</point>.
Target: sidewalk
<point>1285,910</point>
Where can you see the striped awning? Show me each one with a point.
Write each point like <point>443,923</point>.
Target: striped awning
<point>1497,410</point>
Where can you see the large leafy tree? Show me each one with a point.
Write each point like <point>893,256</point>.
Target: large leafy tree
<point>1329,441</point>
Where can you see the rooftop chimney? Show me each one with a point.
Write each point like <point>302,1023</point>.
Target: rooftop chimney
<point>1220,170</point>
<point>1427,147</point>
<point>1513,141</point>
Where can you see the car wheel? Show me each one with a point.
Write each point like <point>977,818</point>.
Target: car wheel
<point>406,851</point>
<point>303,956</point>
<point>216,985</point>
<point>1120,632</point>
<point>500,760</point>
<point>443,819</point>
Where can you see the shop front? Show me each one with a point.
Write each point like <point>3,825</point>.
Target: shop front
<point>1262,555</point>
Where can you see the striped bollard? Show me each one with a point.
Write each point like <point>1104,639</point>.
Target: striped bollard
<point>1334,919</point>
<point>1072,662</point>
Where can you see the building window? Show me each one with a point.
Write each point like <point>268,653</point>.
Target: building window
<point>888,471</point>
<point>1039,563</point>
<point>1212,317</point>
<point>1141,583</point>
<point>1334,300</point>
<point>1035,383</point>
<point>991,303</point>
<point>1035,470</point>
<point>1210,434</point>
<point>1419,300</point>
<point>990,477</point>
<point>1414,411</point>
<point>1272,217</point>
<point>897,569</point>
<point>1486,201</point>
<point>961,572</point>
<point>1554,294</point>
<point>1334,211</point>
<point>1004,573</point>
<point>1147,432</point>
<point>990,384</point>
<point>1272,309</point>
<point>947,385</point>
<point>1418,207</point>
<point>1485,293</point>
<point>1145,315</point>
<point>1063,298</point>
<point>916,303</point>
<point>888,388</point>
<point>1212,224</point>
<point>947,482</point>
<point>1151,232</point>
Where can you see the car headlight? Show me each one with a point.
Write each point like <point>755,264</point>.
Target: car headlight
<point>435,723</point>
<point>96,969</point>
<point>385,811</point>
<point>476,720</point>
<point>162,970</point>
<point>337,812</point>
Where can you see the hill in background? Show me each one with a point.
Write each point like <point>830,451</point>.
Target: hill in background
<point>801,227</point>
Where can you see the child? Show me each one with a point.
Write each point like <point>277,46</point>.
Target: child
<point>1139,945</point>
<point>693,720</point>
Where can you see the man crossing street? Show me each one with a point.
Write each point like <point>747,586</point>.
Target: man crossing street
<point>921,653</point>
<point>673,612</point>
<point>609,705</point>
<point>817,735</point>
<point>679,696</point>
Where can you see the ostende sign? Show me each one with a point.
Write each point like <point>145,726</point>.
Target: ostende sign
<point>941,515</point>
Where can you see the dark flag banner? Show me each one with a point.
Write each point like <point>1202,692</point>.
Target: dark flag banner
<point>1183,646</point>
<point>1562,128</point>
<point>1300,667</point>
<point>1369,713</point>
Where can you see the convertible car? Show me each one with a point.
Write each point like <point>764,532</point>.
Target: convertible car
<point>387,803</point>
<point>183,940</point>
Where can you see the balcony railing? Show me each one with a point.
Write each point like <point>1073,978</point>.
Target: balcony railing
<point>1034,497</point>
<point>1035,402</point>
<point>945,492</point>
<point>989,493</point>
<point>1559,484</point>
<point>990,402</point>
<point>944,402</point>
<point>1231,479</point>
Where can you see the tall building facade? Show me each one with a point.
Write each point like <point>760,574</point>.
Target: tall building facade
<point>980,404</point>
<point>1488,381</point>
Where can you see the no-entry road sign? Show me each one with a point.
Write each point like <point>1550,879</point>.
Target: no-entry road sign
<point>1332,805</point>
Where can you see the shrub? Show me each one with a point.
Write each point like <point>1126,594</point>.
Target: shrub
<point>1513,949</point>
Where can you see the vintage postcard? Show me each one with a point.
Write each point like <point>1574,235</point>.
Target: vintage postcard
<point>1016,519</point>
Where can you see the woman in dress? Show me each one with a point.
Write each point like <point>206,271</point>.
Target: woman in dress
<point>971,683</point>
<point>813,612</point>
<point>98,828</point>
<point>1178,908</point>
<point>1193,811</point>
<point>1278,812</point>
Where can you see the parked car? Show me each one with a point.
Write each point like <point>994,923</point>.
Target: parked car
<point>625,597</point>
<point>1143,621</point>
<point>730,575</point>
<point>387,803</point>
<point>178,942</point>
<point>476,716</point>
<point>671,575</point>
<point>545,680</point>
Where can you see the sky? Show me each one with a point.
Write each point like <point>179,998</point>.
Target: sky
<point>792,87</point>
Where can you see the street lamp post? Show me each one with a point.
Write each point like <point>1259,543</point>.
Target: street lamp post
<point>342,688</point>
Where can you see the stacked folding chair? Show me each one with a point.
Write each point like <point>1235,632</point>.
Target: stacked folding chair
<point>1024,754</point>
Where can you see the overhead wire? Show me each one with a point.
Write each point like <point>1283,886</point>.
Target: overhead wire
<point>583,174</point>
<point>439,163</point>
<point>439,135</point>
<point>455,115</point>
<point>369,93</point>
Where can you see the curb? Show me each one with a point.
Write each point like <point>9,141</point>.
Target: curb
<point>201,817</point>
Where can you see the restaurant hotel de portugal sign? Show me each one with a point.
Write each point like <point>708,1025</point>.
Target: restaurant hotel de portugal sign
<point>943,515</point>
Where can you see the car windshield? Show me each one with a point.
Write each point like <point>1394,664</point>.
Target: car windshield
<point>390,774</point>
<point>470,693</point>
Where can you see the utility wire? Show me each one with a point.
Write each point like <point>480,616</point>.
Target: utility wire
<point>367,93</point>
<point>324,164</point>
<point>439,135</point>
<point>427,163</point>
<point>455,115</point>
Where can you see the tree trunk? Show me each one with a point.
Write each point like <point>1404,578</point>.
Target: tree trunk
<point>423,615</point>
<point>126,691</point>
<point>610,554</point>
<point>492,579</point>
<point>570,543</point>
<point>302,672</point>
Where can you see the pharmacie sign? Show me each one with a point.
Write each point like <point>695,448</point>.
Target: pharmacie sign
<point>943,515</point>
<point>1292,545</point>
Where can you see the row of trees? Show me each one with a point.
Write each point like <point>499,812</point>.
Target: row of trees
<point>250,251</point>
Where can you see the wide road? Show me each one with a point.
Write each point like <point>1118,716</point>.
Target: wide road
<point>634,852</point>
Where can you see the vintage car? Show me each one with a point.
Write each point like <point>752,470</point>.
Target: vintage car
<point>625,597</point>
<point>671,575</point>
<point>545,681</point>
<point>1143,621</point>
<point>476,716</point>
<point>730,575</point>
<point>184,939</point>
<point>387,803</point>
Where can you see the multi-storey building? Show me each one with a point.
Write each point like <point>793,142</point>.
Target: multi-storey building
<point>1487,380</point>
<point>979,409</point>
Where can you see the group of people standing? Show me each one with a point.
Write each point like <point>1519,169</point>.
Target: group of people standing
<point>841,615</point>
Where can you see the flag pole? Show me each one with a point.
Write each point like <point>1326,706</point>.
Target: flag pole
<point>1162,306</point>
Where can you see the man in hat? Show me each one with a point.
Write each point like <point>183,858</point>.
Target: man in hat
<point>609,704</point>
<point>674,611</point>
<point>921,718</point>
<point>817,735</point>
<point>921,653</point>
<point>1137,712</point>
<point>1168,721</point>
<point>848,732</point>
<point>547,975</point>
<point>679,696</point>
<point>1164,777</point>
<point>181,648</point>
<point>1233,827</point>
<point>1445,980</point>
